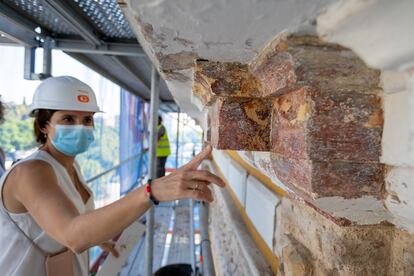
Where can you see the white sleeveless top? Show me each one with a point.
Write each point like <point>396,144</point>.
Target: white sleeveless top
<point>18,256</point>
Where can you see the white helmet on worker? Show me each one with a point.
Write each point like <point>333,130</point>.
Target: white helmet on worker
<point>64,93</point>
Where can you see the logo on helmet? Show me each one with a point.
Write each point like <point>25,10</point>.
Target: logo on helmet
<point>83,98</point>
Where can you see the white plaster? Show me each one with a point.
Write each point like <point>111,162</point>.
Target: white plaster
<point>261,206</point>
<point>197,102</point>
<point>183,90</point>
<point>222,30</point>
<point>237,178</point>
<point>362,211</point>
<point>400,200</point>
<point>394,81</point>
<point>379,31</point>
<point>398,133</point>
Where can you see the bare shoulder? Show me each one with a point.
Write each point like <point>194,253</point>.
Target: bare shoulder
<point>33,172</point>
<point>25,181</point>
<point>32,168</point>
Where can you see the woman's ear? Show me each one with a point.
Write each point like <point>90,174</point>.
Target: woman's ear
<point>44,130</point>
<point>44,134</point>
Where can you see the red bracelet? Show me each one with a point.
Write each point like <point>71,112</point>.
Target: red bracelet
<point>149,192</point>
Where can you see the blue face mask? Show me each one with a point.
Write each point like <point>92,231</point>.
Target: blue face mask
<point>72,139</point>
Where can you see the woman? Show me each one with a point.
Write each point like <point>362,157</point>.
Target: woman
<point>46,206</point>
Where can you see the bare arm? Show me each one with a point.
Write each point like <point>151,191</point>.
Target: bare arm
<point>57,216</point>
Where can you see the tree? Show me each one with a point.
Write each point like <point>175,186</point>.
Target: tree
<point>16,133</point>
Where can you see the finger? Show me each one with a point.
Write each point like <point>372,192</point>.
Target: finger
<point>197,184</point>
<point>202,195</point>
<point>193,164</point>
<point>206,176</point>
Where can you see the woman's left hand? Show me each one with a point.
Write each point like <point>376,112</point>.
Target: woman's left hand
<point>109,247</point>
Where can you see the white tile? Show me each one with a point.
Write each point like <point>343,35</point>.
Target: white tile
<point>237,177</point>
<point>222,160</point>
<point>261,208</point>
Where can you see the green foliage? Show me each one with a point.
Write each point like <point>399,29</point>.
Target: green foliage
<point>16,133</point>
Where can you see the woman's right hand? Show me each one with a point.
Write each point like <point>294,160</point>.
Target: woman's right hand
<point>187,182</point>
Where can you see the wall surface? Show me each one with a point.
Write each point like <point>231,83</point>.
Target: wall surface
<point>318,97</point>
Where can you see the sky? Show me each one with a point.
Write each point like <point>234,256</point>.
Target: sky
<point>14,88</point>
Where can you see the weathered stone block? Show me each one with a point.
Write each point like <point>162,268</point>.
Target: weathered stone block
<point>330,249</point>
<point>223,79</point>
<point>296,260</point>
<point>291,62</point>
<point>241,124</point>
<point>334,178</point>
<point>327,125</point>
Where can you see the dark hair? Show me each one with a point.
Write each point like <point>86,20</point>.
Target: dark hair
<point>42,118</point>
<point>2,110</point>
<point>159,119</point>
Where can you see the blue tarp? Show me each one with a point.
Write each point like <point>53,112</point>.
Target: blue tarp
<point>132,131</point>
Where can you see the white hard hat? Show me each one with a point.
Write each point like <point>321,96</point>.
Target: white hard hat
<point>64,93</point>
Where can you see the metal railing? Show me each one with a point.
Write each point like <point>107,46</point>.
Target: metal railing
<point>93,178</point>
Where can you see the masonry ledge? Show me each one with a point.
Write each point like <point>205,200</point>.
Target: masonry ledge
<point>366,210</point>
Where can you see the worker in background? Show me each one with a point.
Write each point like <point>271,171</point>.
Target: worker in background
<point>2,154</point>
<point>163,148</point>
<point>47,214</point>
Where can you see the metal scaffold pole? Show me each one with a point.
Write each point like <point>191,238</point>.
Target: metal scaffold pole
<point>177,143</point>
<point>149,237</point>
<point>207,264</point>
<point>192,238</point>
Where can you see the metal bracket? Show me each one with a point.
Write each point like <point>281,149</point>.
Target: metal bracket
<point>30,62</point>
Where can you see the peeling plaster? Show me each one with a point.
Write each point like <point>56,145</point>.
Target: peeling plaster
<point>262,161</point>
<point>217,30</point>
<point>400,199</point>
<point>362,211</point>
<point>177,61</point>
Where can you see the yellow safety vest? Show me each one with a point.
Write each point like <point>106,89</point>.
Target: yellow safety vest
<point>163,148</point>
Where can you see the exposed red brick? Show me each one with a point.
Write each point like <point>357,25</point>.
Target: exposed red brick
<point>293,172</point>
<point>315,105</point>
<point>288,134</point>
<point>327,125</point>
<point>295,61</point>
<point>335,178</point>
<point>241,124</point>
<point>223,79</point>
